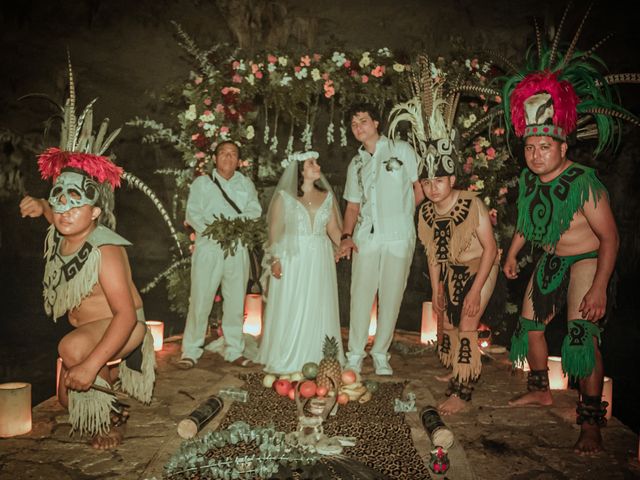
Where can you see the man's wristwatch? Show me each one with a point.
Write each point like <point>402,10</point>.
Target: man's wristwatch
<point>345,236</point>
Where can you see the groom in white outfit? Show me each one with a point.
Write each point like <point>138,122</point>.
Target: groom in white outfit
<point>382,191</point>
<point>209,267</point>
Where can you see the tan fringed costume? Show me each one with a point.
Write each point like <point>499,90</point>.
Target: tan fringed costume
<point>446,237</point>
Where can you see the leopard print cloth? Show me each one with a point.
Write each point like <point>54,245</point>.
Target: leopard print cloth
<point>383,438</point>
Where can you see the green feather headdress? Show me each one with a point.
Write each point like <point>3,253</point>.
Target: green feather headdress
<point>598,113</point>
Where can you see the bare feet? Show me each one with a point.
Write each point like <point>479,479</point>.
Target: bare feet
<point>115,435</point>
<point>542,397</point>
<point>444,378</point>
<point>590,440</point>
<point>110,440</point>
<point>452,405</point>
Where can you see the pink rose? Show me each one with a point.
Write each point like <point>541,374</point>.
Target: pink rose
<point>477,147</point>
<point>198,80</point>
<point>219,108</point>
<point>235,64</point>
<point>200,155</point>
<point>258,75</point>
<point>305,61</point>
<point>498,99</point>
<point>224,129</point>
<point>329,92</point>
<point>378,71</point>
<point>254,68</point>
<point>236,78</point>
<point>491,153</point>
<point>207,101</point>
<point>272,58</point>
<point>498,131</point>
<point>364,79</point>
<point>297,69</point>
<point>347,64</point>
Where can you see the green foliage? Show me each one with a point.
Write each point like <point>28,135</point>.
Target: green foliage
<point>232,233</point>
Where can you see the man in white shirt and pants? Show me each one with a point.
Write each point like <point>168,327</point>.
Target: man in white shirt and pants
<point>209,267</point>
<point>382,191</point>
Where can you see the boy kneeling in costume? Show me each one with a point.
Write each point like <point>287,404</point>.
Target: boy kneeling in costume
<point>87,274</point>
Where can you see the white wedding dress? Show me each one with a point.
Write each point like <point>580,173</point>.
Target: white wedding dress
<point>302,306</point>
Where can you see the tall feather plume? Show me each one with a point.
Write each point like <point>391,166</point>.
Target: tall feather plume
<point>592,50</point>
<point>618,78</point>
<point>144,188</point>
<point>426,87</point>
<point>556,38</point>
<point>502,62</point>
<point>538,39</point>
<point>574,41</point>
<point>610,112</point>
<point>71,127</point>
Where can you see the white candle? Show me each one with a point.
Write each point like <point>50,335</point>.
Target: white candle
<point>557,379</point>
<point>429,328</point>
<point>252,314</point>
<point>607,395</point>
<point>15,409</point>
<point>157,332</point>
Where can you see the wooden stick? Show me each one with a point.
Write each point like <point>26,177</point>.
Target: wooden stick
<point>109,391</point>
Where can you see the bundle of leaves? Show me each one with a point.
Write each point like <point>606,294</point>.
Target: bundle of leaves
<point>232,233</point>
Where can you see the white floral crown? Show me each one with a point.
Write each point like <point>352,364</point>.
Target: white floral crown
<point>299,157</point>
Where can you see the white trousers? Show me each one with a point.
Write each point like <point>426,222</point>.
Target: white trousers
<point>209,269</point>
<point>381,267</point>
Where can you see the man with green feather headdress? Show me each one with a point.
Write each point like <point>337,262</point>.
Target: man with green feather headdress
<point>563,208</point>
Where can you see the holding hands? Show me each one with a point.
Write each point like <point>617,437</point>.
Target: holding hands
<point>347,246</point>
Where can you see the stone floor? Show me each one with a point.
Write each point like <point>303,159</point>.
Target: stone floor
<point>492,440</point>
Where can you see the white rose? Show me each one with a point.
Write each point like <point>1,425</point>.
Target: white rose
<point>250,132</point>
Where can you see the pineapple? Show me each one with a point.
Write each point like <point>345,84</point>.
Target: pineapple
<point>329,368</point>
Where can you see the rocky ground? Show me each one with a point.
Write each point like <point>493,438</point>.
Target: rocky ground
<point>492,440</point>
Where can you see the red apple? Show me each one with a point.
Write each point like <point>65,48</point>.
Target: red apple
<point>308,389</point>
<point>321,391</point>
<point>348,377</point>
<point>282,386</point>
<point>343,398</point>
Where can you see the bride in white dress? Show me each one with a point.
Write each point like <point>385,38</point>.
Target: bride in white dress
<point>302,297</point>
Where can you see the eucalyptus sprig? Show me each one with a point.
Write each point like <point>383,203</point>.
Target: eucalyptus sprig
<point>194,455</point>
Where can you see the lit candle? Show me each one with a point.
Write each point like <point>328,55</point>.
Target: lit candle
<point>15,409</point>
<point>484,336</point>
<point>607,395</point>
<point>157,332</point>
<point>557,379</point>
<point>429,328</point>
<point>373,322</point>
<point>252,314</point>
